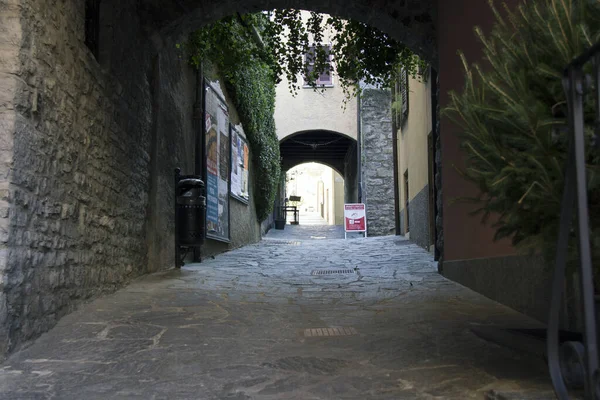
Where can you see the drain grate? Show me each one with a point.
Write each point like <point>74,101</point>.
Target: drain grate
<point>328,332</point>
<point>281,242</point>
<point>331,271</point>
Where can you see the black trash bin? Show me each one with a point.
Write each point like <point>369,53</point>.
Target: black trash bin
<point>190,212</point>
<point>190,206</point>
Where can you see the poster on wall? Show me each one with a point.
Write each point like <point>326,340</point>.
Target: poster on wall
<point>217,164</point>
<point>239,164</point>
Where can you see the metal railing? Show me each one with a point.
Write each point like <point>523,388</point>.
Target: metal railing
<point>574,364</point>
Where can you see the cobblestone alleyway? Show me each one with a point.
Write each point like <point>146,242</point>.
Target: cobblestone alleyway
<point>262,322</point>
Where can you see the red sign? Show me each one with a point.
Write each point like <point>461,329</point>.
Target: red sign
<point>355,218</point>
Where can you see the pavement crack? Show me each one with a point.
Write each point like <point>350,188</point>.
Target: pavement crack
<point>156,338</point>
<point>47,360</point>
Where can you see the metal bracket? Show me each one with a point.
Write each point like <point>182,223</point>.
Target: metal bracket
<point>575,364</point>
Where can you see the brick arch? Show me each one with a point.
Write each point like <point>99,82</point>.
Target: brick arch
<point>408,21</point>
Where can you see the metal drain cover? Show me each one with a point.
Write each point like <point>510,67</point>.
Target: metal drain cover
<point>281,242</point>
<point>331,271</point>
<point>328,332</point>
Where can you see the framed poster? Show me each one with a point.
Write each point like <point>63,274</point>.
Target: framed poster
<point>239,164</point>
<point>217,163</point>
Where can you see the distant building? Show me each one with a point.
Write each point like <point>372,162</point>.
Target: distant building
<point>353,137</point>
<point>415,158</point>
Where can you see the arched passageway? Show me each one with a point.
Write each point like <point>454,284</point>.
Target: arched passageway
<point>409,21</point>
<point>325,147</point>
<point>90,139</point>
<point>97,128</point>
<point>333,149</point>
<point>317,190</point>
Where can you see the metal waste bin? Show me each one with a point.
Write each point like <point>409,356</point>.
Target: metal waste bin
<point>190,208</point>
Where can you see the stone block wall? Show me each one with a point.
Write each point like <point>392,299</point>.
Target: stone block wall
<point>10,43</point>
<point>377,161</point>
<point>87,153</point>
<point>88,147</point>
<point>78,177</point>
<point>351,175</point>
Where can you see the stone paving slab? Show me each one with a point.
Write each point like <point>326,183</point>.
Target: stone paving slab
<point>233,327</point>
<point>307,232</point>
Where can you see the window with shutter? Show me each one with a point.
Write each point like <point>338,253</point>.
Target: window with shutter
<point>400,107</point>
<point>404,95</point>
<point>324,78</point>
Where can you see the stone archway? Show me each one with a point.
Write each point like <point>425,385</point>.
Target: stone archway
<point>90,140</point>
<point>333,149</point>
<point>91,137</point>
<point>324,147</point>
<point>408,21</point>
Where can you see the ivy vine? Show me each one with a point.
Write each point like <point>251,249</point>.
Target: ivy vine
<point>254,51</point>
<point>360,53</point>
<point>244,64</point>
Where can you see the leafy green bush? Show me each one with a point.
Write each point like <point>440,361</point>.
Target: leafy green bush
<point>513,118</point>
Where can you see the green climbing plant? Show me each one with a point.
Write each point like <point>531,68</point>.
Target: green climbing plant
<point>253,52</point>
<point>358,52</point>
<point>246,67</point>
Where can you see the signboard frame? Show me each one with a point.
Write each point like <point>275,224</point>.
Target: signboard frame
<point>238,140</point>
<point>217,133</point>
<point>349,218</point>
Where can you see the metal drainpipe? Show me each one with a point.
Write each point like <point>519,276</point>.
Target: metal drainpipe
<point>200,157</point>
<point>433,76</point>
<point>198,124</point>
<point>396,167</point>
<point>359,147</point>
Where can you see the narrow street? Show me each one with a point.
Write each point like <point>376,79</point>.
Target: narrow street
<point>261,322</point>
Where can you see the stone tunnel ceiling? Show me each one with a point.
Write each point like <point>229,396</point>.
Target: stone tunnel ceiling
<point>408,21</point>
<point>325,147</point>
<point>96,143</point>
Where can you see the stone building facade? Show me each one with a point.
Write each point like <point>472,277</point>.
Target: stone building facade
<point>377,161</point>
<point>338,119</point>
<point>416,157</point>
<point>89,144</point>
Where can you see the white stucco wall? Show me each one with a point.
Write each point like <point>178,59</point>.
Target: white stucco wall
<point>305,180</point>
<point>412,139</point>
<point>311,110</point>
<point>314,110</point>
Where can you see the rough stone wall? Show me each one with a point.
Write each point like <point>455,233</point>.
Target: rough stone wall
<point>86,166</point>
<point>10,42</point>
<point>377,161</point>
<point>172,144</point>
<point>87,153</point>
<point>79,172</point>
<point>351,175</point>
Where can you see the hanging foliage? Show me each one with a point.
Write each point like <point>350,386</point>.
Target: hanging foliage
<point>358,52</point>
<point>254,51</point>
<point>513,118</point>
<point>249,77</point>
